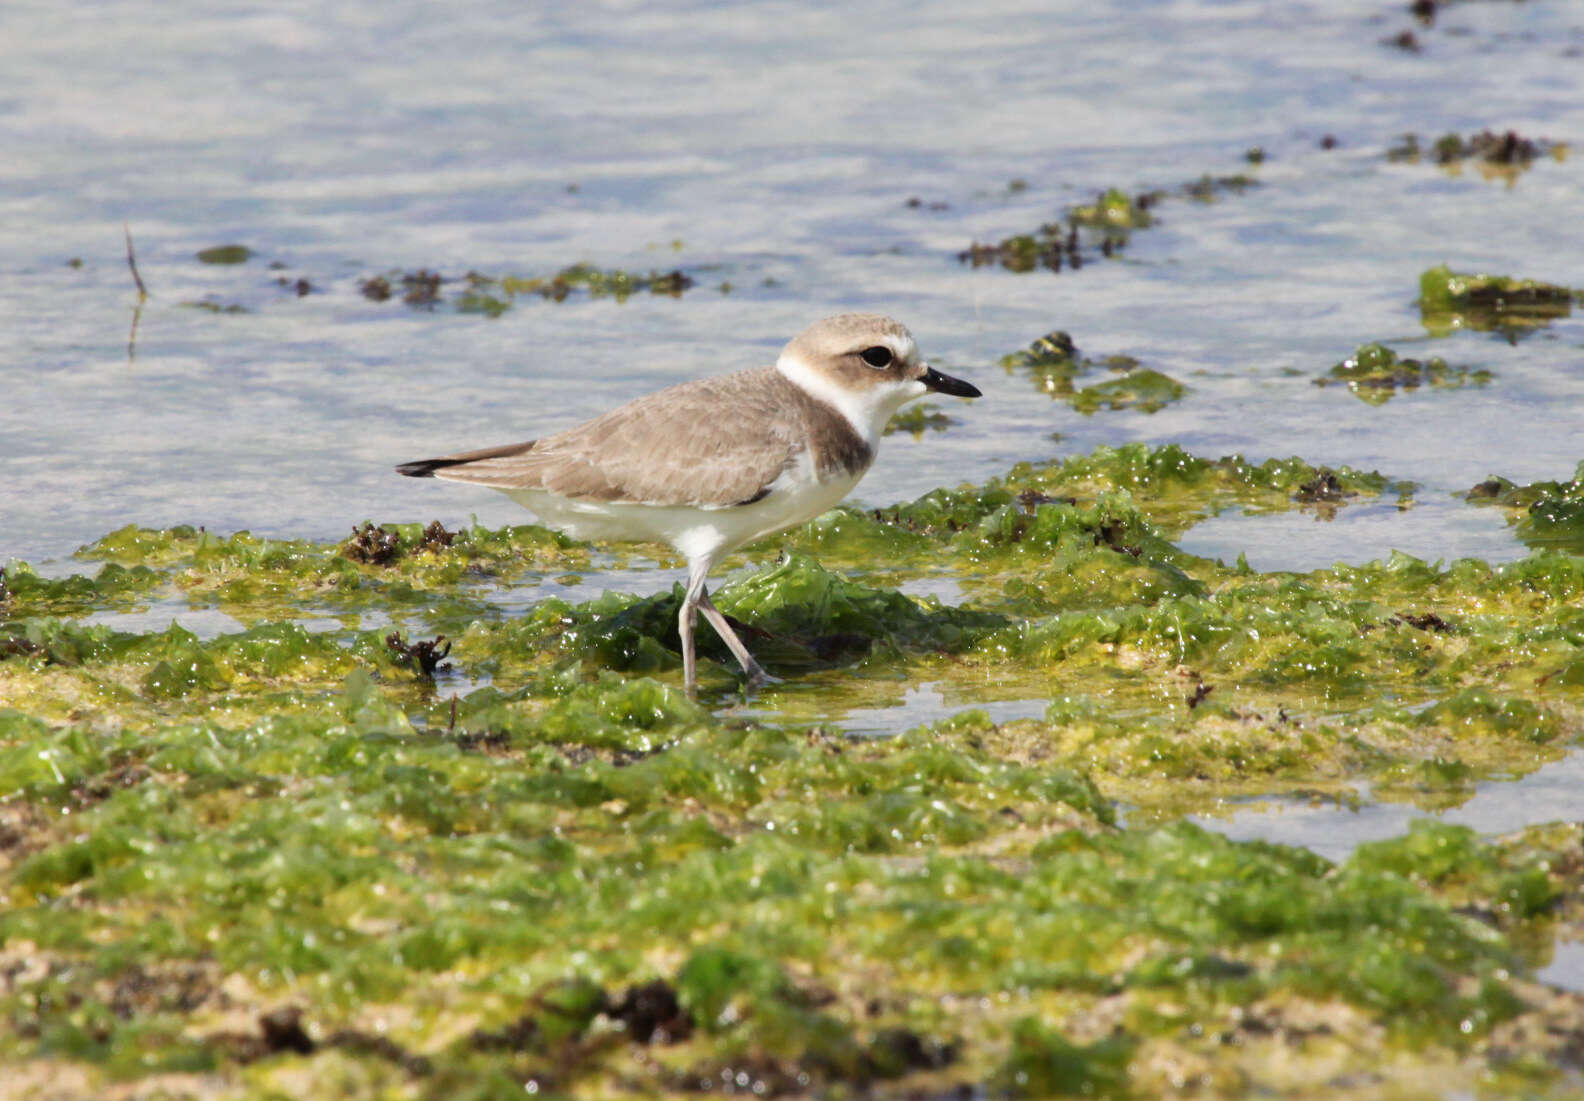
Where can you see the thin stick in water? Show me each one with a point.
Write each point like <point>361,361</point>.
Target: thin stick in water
<point>132,263</point>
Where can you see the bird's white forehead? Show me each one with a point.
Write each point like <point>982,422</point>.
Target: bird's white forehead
<point>901,344</point>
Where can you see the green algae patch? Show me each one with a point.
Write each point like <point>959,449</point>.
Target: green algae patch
<point>24,593</point>
<point>492,295</point>
<point>1173,489</point>
<point>1450,300</point>
<point>1375,373</point>
<point>802,962</point>
<point>1113,209</point>
<point>283,853</point>
<point>1144,390</point>
<point>1543,514</point>
<point>918,419</point>
<point>1085,232</point>
<point>395,571</point>
<point>1054,365</point>
<point>798,616</point>
<point>225,254</point>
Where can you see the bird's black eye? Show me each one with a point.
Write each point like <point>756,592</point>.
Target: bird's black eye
<point>878,356</point>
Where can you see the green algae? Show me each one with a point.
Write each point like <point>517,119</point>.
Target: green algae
<point>474,866</point>
<point>1375,373</point>
<point>918,419</point>
<point>1450,300</point>
<point>225,254</point>
<point>1543,514</point>
<point>1085,232</point>
<point>1169,487</point>
<point>1113,210</point>
<point>1144,390</point>
<point>114,587</point>
<point>397,571</point>
<point>1053,364</point>
<point>493,295</point>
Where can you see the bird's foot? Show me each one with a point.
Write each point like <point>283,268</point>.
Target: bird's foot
<point>758,678</point>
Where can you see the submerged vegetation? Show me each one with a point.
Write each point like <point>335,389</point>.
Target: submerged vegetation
<point>397,835</point>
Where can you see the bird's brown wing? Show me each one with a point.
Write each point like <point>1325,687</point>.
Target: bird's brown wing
<point>711,443</point>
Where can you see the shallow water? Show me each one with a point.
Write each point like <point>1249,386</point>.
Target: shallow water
<point>773,148</point>
<point>924,703</point>
<point>1334,830</point>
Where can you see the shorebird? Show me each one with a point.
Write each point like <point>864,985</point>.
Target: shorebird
<point>713,464</point>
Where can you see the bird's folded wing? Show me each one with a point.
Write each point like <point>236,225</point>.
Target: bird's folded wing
<point>710,443</point>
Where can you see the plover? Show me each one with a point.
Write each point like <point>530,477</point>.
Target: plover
<point>712,464</point>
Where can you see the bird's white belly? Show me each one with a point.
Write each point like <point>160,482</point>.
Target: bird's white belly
<point>695,532</point>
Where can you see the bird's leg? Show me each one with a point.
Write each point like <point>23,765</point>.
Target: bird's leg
<point>690,602</point>
<point>755,671</point>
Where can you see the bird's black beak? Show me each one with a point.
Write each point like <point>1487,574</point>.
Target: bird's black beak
<point>945,384</point>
